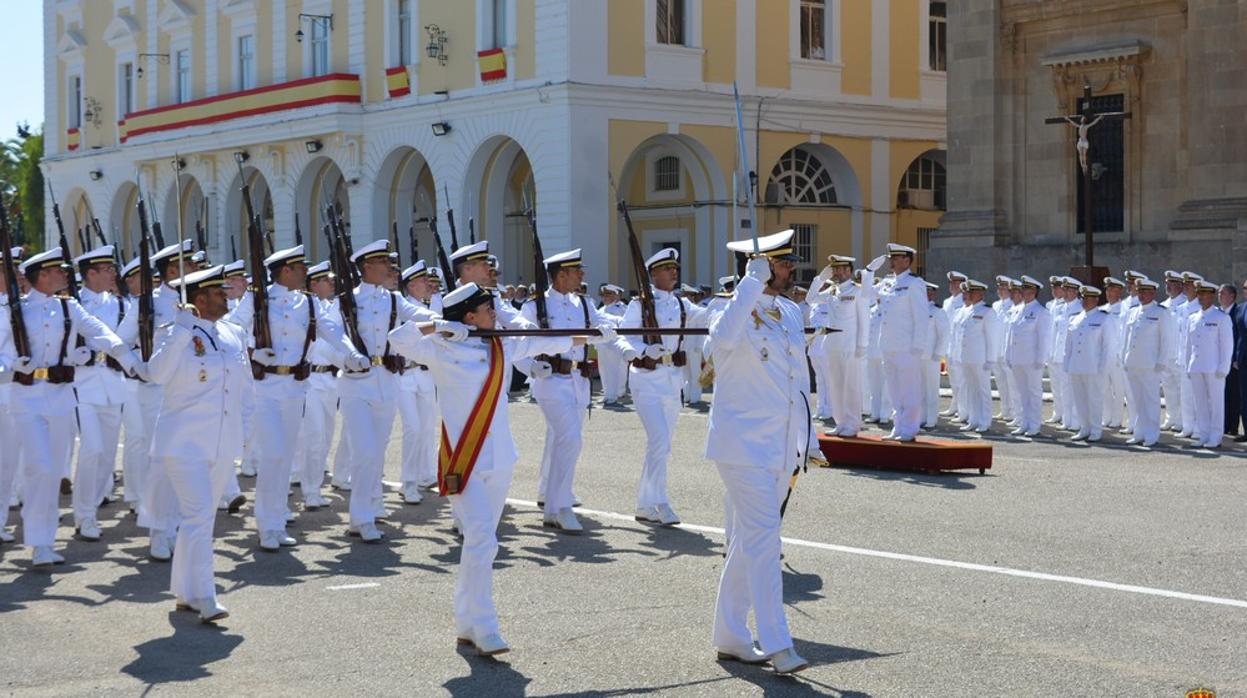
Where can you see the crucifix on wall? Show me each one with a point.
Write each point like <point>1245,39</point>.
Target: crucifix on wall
<point>1086,119</point>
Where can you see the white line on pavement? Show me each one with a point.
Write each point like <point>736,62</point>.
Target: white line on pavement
<point>956,564</point>
<point>345,587</point>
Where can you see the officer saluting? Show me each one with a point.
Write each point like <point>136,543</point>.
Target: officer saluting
<point>201,362</point>
<point>760,429</point>
<point>904,340</point>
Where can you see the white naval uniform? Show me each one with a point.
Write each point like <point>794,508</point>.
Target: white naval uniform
<point>208,393</point>
<point>158,503</point>
<point>937,343</point>
<point>459,370</point>
<point>974,346</point>
<point>417,409</point>
<point>1171,380</point>
<point>43,413</point>
<point>369,398</point>
<point>818,360</point>
<point>1185,311</point>
<point>1130,302</point>
<point>1089,344</point>
<point>952,306</point>
<point>1028,339</point>
<point>693,350</point>
<point>280,398</point>
<point>1003,308</point>
<point>1147,351</point>
<point>1209,353</point>
<point>656,392</point>
<point>611,365</point>
<point>904,341</point>
<point>841,355</point>
<point>759,431</point>
<point>1061,408</point>
<point>878,404</point>
<point>563,399</point>
<point>320,406</point>
<point>101,391</point>
<point>1115,376</point>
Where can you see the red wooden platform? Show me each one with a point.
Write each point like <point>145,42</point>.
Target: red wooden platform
<point>924,454</point>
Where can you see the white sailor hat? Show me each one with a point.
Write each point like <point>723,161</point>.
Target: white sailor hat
<point>200,259</point>
<point>1144,282</point>
<point>932,287</point>
<point>1002,280</point>
<point>726,281</point>
<point>776,246</point>
<point>206,278</point>
<point>563,260</point>
<point>1202,286</point>
<point>471,253</point>
<point>377,249</point>
<point>1052,280</point>
<point>1191,277</point>
<point>172,253</point>
<point>1014,284</point>
<point>239,268</point>
<point>100,255</point>
<point>1171,275</point>
<point>837,260</point>
<point>293,255</point>
<point>1088,291</point>
<point>689,289</point>
<point>1031,281</point>
<point>973,285</point>
<point>415,270</point>
<point>44,260</point>
<point>1113,281</point>
<point>131,267</point>
<point>957,276</point>
<point>1132,275</point>
<point>666,257</point>
<point>17,252</point>
<point>612,288</point>
<point>394,258</point>
<point>317,271</point>
<point>462,300</point>
<point>895,249</point>
<point>1070,282</point>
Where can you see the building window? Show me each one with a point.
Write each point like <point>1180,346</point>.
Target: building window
<point>937,35</point>
<point>182,89</point>
<point>925,185</point>
<point>1107,161</point>
<point>246,62</point>
<point>125,82</point>
<point>320,47</point>
<point>404,32</point>
<point>813,29</point>
<point>804,243</point>
<point>670,21</point>
<point>800,178</point>
<point>924,244</point>
<point>667,173</point>
<point>500,23</point>
<point>75,102</point>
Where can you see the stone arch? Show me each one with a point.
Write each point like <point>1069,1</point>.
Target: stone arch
<point>320,183</point>
<point>936,157</point>
<point>498,182</point>
<point>233,241</point>
<point>921,198</point>
<point>76,213</point>
<point>192,208</point>
<point>847,186</point>
<point>404,194</point>
<point>123,219</point>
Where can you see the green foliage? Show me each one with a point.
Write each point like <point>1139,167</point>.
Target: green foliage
<point>21,185</point>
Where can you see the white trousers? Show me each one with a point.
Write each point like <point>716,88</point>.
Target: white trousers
<point>819,359</point>
<point>1144,387</point>
<point>1087,391</point>
<point>1056,380</point>
<point>1114,396</point>
<point>752,578</point>
<point>1189,417</point>
<point>903,374</point>
<point>692,375</point>
<point>1208,402</point>
<point>957,382</point>
<point>342,457</point>
<point>477,511</point>
<point>844,388</point>
<point>198,486</point>
<point>418,412</point>
<point>1028,382</point>
<point>158,504</point>
<point>138,438</point>
<point>46,443</point>
<point>9,462</point>
<point>931,393</point>
<point>659,414</point>
<point>369,424</point>
<point>1171,382</point>
<point>976,386</point>
<point>1008,395</point>
<point>878,402</point>
<point>614,373</point>
<point>99,432</point>
<point>564,439</point>
<point>276,423</point>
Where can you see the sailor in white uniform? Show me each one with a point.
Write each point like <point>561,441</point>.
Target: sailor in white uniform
<point>1209,353</point>
<point>904,341</point>
<point>611,365</point>
<point>1147,352</point>
<point>937,347</point>
<point>1089,344</point>
<point>1002,307</point>
<point>845,310</point>
<point>974,346</point>
<point>958,407</point>
<point>1028,342</point>
<point>417,406</point>
<point>1115,380</point>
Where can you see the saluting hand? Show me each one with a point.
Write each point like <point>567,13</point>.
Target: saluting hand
<point>759,268</point>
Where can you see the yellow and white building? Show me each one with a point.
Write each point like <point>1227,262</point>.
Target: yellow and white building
<point>400,108</point>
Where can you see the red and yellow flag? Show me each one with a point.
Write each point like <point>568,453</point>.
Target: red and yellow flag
<point>454,467</point>
<point>493,63</point>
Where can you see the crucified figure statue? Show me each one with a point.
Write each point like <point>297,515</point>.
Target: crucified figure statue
<point>1083,144</point>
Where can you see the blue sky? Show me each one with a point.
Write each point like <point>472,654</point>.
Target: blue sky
<point>21,52</point>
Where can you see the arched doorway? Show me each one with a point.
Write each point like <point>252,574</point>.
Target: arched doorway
<point>405,197</point>
<point>193,207</point>
<point>498,187</point>
<point>320,185</point>
<point>123,220</point>
<point>921,198</point>
<point>76,213</point>
<point>232,240</point>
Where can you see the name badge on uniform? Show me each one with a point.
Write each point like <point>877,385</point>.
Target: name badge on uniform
<point>203,376</point>
<point>846,299</point>
<point>977,317</point>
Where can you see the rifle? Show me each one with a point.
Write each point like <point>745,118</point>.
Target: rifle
<point>298,230</point>
<point>442,260</point>
<point>621,331</point>
<point>411,238</point>
<point>259,273</point>
<point>17,321</point>
<point>64,243</point>
<point>450,218</point>
<point>471,230</point>
<point>233,248</point>
<point>541,276</point>
<point>147,302</point>
<point>201,226</point>
<point>649,316</point>
<point>84,239</point>
<point>344,285</point>
<point>397,250</point>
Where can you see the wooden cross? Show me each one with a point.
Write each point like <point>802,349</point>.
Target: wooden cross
<point>1083,123</point>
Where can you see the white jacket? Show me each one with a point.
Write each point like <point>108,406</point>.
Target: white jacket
<point>1089,342</point>
<point>1028,335</point>
<point>1209,342</point>
<point>903,316</point>
<point>1149,338</point>
<point>975,338</point>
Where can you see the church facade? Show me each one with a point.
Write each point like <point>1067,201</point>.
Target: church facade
<point>1168,183</point>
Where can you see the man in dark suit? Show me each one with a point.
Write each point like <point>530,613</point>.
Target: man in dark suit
<point>1236,381</point>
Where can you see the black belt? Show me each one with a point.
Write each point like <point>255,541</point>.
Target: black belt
<point>325,369</point>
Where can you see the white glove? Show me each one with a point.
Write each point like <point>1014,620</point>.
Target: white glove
<point>759,268</point>
<point>540,369</point>
<point>859,353</point>
<point>656,352</point>
<point>821,280</point>
<point>24,364</point>
<point>141,371</point>
<point>184,319</point>
<point>453,331</point>
<point>79,356</point>
<point>606,336</point>
<point>356,363</point>
<point>264,356</point>
<point>877,263</point>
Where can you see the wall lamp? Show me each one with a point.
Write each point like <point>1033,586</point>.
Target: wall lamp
<point>313,146</point>
<point>161,58</point>
<point>440,128</point>
<point>436,48</point>
<point>95,175</point>
<point>241,156</point>
<point>326,19</point>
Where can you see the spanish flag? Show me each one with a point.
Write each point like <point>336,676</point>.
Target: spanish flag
<point>397,82</point>
<point>493,64</point>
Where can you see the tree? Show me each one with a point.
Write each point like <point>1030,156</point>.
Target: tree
<point>21,185</point>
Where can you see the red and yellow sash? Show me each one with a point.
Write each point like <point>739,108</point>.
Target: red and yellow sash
<point>454,467</point>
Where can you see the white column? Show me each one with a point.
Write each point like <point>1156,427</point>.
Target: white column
<point>355,44</point>
<point>212,64</point>
<point>880,48</point>
<point>279,45</point>
<point>881,198</point>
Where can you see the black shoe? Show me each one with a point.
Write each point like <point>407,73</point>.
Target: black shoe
<point>1240,439</point>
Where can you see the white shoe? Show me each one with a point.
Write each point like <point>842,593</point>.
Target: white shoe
<point>1149,444</point>
<point>847,434</point>
<point>340,485</point>
<point>834,431</point>
<point>968,427</point>
<point>981,429</point>
<point>666,516</point>
<point>369,533</point>
<point>1095,436</point>
<point>315,502</point>
<point>1032,433</point>
<point>565,520</point>
<point>1212,444</point>
<point>1132,441</point>
<point>490,645</point>
<point>788,662</point>
<point>948,413</point>
<point>44,556</point>
<point>1185,434</point>
<point>89,530</point>
<point>744,655</point>
<point>906,439</point>
<point>159,549</point>
<point>1018,432</point>
<point>1080,436</point>
<point>209,611</point>
<point>289,516</point>
<point>647,514</point>
<point>247,469</point>
<point>272,541</point>
<point>411,493</point>
<point>1124,430</point>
